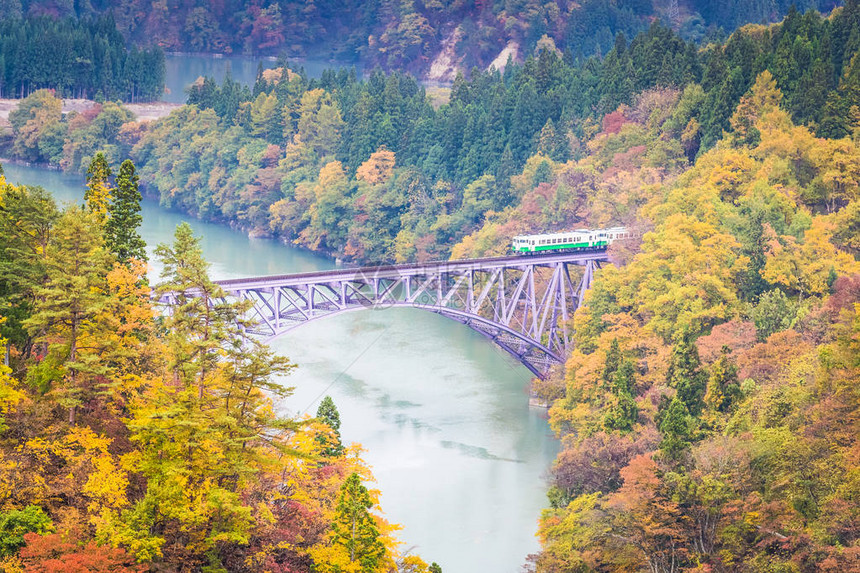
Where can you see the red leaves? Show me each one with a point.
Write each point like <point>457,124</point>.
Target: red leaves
<point>60,553</point>
<point>612,122</point>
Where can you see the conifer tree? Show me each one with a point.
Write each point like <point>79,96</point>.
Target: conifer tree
<point>613,359</point>
<point>26,217</point>
<point>76,266</point>
<point>97,195</point>
<point>723,387</point>
<point>219,400</point>
<point>121,235</point>
<point>622,413</point>
<point>685,374</point>
<point>200,321</point>
<point>624,378</point>
<point>354,527</point>
<point>675,427</point>
<point>327,414</point>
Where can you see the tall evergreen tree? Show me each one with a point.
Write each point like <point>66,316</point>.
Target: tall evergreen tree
<point>327,414</point>
<point>675,427</point>
<point>685,374</point>
<point>724,390</point>
<point>354,527</point>
<point>26,217</point>
<point>76,264</point>
<point>121,235</point>
<point>613,360</point>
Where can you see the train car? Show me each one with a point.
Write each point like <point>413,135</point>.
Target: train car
<point>580,239</point>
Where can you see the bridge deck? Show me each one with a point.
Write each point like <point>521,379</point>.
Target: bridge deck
<point>499,297</point>
<point>397,271</point>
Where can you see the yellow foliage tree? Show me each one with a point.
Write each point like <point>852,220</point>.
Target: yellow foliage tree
<point>805,267</point>
<point>378,168</point>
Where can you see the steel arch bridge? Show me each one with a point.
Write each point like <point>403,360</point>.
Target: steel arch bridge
<point>521,303</point>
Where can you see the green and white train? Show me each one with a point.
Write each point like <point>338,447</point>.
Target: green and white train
<point>578,240</point>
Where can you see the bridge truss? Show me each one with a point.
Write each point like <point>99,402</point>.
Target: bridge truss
<point>521,303</point>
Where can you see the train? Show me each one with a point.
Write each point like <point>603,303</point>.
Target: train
<point>577,240</point>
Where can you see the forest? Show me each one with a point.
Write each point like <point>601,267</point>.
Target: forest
<point>368,170</point>
<point>135,440</point>
<point>708,417</point>
<point>408,35</point>
<point>709,414</point>
<point>85,58</point>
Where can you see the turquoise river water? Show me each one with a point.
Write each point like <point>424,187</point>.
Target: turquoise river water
<point>458,453</point>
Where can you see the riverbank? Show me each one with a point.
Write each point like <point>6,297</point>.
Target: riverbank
<point>142,111</point>
<point>456,430</point>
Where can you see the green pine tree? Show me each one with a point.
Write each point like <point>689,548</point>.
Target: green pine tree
<point>121,236</point>
<point>675,427</point>
<point>624,378</point>
<point>327,414</point>
<point>354,527</point>
<point>613,360</point>
<point>622,414</point>
<point>686,376</point>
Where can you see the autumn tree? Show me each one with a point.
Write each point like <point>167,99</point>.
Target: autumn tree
<point>723,385</point>
<point>98,194</point>
<point>34,121</point>
<point>63,553</point>
<point>76,264</point>
<point>209,428</point>
<point>762,97</point>
<point>378,167</point>
<point>200,321</point>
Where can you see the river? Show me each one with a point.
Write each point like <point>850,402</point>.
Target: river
<point>182,69</point>
<point>443,414</point>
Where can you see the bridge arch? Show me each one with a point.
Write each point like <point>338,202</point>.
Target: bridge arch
<point>521,303</point>
<point>532,354</point>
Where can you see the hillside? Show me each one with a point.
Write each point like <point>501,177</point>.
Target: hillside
<point>709,413</point>
<point>413,36</point>
<point>367,170</point>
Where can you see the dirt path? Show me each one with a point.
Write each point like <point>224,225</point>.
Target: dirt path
<point>143,111</point>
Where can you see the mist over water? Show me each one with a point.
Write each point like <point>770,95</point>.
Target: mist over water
<point>442,413</point>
